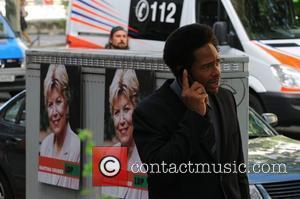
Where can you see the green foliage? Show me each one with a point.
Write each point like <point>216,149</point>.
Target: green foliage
<point>65,3</point>
<point>86,136</point>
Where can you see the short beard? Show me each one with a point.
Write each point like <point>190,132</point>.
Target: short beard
<point>120,47</point>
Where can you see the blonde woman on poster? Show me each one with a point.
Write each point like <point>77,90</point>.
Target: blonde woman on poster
<point>123,98</point>
<point>61,143</point>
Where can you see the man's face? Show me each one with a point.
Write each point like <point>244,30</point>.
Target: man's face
<point>119,40</point>
<point>206,69</point>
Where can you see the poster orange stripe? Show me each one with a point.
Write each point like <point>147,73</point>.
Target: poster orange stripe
<point>283,58</point>
<point>54,163</point>
<point>50,162</point>
<point>70,176</point>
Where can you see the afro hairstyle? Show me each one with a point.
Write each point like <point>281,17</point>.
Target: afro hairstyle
<point>181,44</point>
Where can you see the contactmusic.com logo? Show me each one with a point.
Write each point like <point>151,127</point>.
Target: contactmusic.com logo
<point>110,166</point>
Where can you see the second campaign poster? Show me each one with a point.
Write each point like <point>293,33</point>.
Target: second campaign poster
<point>124,89</point>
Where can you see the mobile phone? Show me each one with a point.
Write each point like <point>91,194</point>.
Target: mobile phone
<point>190,77</point>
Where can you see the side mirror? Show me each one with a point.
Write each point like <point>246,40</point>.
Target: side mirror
<point>270,118</point>
<point>220,30</point>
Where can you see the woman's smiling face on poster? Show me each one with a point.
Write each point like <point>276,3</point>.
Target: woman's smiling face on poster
<point>57,111</point>
<point>122,118</point>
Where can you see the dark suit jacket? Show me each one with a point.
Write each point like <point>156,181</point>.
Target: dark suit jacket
<point>165,130</point>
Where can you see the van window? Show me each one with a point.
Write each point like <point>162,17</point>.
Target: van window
<point>154,19</point>
<point>210,11</point>
<point>3,32</point>
<point>5,29</point>
<point>233,38</point>
<point>269,19</point>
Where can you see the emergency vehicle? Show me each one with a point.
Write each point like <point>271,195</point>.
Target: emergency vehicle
<point>268,31</point>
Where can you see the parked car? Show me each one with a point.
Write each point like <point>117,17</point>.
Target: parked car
<point>12,148</point>
<point>265,146</point>
<point>12,55</point>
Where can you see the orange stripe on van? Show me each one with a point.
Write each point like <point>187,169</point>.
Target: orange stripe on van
<point>75,5</point>
<point>290,90</point>
<point>283,58</point>
<point>104,6</point>
<point>75,42</point>
<point>89,24</point>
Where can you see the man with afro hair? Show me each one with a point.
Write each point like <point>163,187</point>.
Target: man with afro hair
<point>189,128</point>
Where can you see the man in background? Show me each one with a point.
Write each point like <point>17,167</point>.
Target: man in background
<point>23,23</point>
<point>118,39</point>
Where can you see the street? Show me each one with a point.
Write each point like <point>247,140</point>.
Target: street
<point>48,40</point>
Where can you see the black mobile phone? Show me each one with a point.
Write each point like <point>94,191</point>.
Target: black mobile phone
<point>190,77</point>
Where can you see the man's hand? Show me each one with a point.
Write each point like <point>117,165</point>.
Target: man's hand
<point>194,97</point>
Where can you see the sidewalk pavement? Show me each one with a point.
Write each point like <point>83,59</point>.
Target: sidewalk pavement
<point>47,40</point>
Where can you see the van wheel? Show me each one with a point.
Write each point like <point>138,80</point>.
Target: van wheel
<point>255,104</point>
<point>5,189</point>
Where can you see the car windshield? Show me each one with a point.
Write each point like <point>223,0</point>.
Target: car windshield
<point>5,29</point>
<point>269,19</point>
<point>257,127</point>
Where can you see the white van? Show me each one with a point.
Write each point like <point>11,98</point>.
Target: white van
<point>267,30</point>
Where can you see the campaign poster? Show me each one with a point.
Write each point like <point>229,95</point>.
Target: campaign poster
<point>124,90</point>
<point>60,119</point>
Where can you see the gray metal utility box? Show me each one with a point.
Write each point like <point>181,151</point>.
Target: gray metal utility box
<point>93,66</point>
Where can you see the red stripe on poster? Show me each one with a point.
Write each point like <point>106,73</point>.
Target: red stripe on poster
<point>54,163</point>
<point>57,173</point>
<point>55,166</point>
